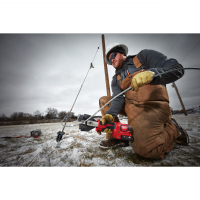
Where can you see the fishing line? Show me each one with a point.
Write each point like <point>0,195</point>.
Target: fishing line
<point>96,51</point>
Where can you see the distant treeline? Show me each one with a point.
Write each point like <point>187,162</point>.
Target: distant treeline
<point>188,110</point>
<point>51,115</point>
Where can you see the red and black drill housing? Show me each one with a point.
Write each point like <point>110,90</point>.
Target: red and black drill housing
<point>119,130</point>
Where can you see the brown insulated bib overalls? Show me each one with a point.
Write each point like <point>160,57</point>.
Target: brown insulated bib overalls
<point>149,115</point>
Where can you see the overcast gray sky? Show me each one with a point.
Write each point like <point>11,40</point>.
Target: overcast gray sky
<point>38,71</point>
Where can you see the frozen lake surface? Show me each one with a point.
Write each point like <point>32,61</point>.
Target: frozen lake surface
<point>82,148</point>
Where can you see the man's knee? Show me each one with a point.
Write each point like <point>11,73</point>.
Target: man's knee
<point>103,100</point>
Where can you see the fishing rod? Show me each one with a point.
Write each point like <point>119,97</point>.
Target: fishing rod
<point>123,93</point>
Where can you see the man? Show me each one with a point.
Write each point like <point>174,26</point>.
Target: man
<point>147,105</point>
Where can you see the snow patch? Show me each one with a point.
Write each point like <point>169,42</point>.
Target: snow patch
<point>81,149</point>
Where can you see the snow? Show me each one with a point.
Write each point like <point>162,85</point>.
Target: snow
<point>78,148</point>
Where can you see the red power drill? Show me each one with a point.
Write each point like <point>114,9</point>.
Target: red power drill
<point>119,130</point>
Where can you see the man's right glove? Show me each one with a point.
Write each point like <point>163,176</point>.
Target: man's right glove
<point>141,79</point>
<point>104,119</point>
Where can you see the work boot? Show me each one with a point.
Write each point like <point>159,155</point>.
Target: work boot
<point>113,143</point>
<point>183,138</point>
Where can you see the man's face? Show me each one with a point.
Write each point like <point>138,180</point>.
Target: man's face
<point>117,61</point>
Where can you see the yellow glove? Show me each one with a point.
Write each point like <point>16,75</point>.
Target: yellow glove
<point>107,118</point>
<point>141,79</point>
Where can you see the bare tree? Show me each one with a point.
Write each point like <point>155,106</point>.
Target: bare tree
<point>20,115</point>
<point>62,114</point>
<point>3,117</point>
<point>27,116</point>
<point>37,114</point>
<point>13,116</point>
<point>52,113</point>
<point>71,114</point>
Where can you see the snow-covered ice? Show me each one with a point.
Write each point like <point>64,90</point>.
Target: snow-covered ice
<point>82,148</point>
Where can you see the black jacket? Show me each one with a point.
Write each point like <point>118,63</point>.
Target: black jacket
<point>151,61</point>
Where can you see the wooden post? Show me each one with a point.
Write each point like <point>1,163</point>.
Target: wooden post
<point>174,85</point>
<point>105,68</point>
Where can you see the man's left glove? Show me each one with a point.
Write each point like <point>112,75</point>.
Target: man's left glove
<point>141,79</point>
<point>104,119</point>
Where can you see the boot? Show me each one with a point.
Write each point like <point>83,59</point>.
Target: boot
<point>183,138</point>
<point>113,143</point>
